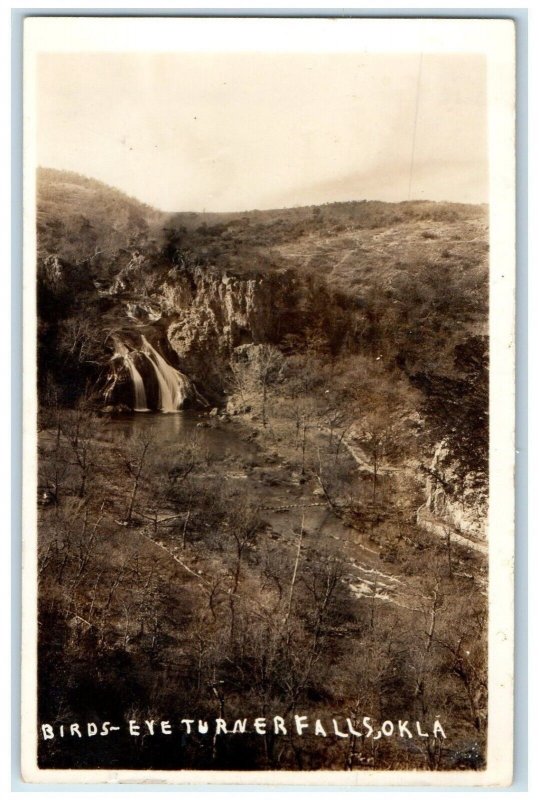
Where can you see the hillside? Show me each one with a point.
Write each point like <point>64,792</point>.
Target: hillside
<point>348,243</point>
<point>79,216</point>
<point>308,533</point>
<point>406,283</point>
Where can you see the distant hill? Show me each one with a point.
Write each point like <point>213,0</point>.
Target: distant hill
<point>348,243</point>
<point>76,216</point>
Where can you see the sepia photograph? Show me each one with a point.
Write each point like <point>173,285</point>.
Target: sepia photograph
<point>268,287</point>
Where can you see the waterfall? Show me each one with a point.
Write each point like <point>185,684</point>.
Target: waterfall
<point>174,387</point>
<point>122,352</point>
<point>138,385</point>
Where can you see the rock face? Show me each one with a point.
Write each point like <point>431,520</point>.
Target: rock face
<point>225,309</point>
<point>197,319</point>
<point>459,504</point>
<point>208,314</point>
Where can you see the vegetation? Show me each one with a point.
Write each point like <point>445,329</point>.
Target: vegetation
<point>264,559</point>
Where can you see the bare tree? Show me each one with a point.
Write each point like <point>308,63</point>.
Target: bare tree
<point>79,432</point>
<point>305,416</point>
<point>54,464</point>
<point>269,363</point>
<point>78,340</point>
<point>135,460</point>
<point>243,525</point>
<point>295,570</point>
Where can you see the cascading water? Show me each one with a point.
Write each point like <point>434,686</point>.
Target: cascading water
<point>141,403</point>
<point>174,387</point>
<point>138,385</point>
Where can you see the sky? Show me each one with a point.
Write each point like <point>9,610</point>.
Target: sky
<point>233,132</point>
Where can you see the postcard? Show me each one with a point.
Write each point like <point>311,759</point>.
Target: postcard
<point>269,273</point>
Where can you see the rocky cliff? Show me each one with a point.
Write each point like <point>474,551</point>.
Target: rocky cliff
<point>195,318</point>
<point>209,314</point>
<point>454,504</point>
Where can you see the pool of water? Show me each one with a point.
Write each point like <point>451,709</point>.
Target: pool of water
<point>220,440</point>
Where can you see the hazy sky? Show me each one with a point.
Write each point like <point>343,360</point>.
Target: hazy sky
<point>237,132</point>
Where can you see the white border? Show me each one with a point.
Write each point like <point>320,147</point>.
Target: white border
<point>493,38</point>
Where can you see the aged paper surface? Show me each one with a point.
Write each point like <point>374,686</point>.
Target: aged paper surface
<point>268,401</point>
